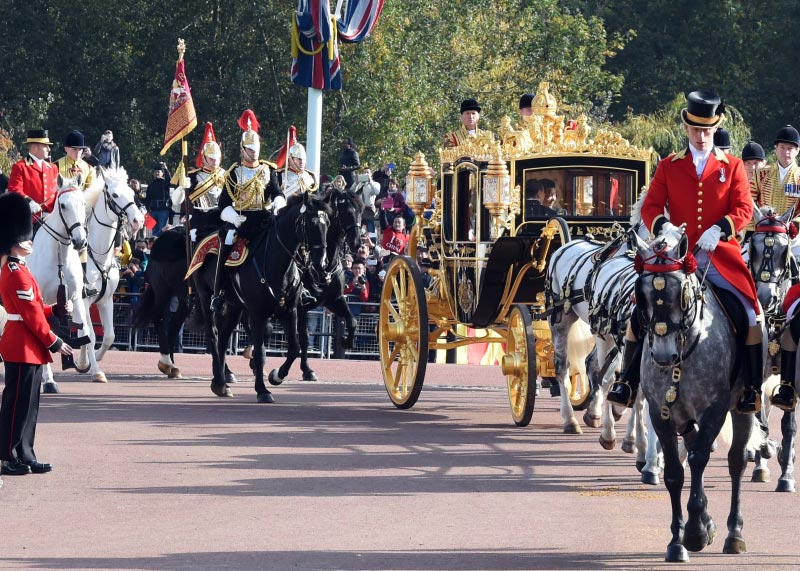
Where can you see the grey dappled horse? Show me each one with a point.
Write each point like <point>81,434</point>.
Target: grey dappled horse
<point>687,369</point>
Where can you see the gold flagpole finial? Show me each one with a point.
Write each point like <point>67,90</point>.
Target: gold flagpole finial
<point>181,48</point>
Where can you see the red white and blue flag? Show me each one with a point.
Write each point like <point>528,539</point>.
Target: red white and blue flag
<point>315,53</point>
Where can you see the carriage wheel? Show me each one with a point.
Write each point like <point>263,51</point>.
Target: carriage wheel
<point>580,391</point>
<point>519,365</point>
<point>403,332</point>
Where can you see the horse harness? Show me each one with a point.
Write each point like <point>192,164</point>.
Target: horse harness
<point>120,214</point>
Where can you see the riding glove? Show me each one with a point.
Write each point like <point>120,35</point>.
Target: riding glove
<point>710,238</point>
<point>277,204</point>
<point>36,208</point>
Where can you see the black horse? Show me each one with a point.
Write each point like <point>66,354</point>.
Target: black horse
<point>267,284</point>
<point>344,232</point>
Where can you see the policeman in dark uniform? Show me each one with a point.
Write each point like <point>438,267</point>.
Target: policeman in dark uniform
<point>26,343</point>
<point>250,191</point>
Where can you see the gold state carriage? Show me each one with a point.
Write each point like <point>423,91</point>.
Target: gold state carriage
<point>489,246</point>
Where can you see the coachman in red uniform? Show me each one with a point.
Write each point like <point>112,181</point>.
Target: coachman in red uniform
<point>35,176</point>
<point>707,192</point>
<point>26,342</point>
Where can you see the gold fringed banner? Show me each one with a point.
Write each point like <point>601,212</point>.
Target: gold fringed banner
<point>182,118</point>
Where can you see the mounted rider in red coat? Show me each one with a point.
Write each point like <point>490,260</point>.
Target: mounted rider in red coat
<point>35,176</point>
<point>708,197</point>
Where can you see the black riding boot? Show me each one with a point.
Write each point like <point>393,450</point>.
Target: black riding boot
<point>220,278</point>
<point>88,289</point>
<point>785,398</point>
<point>624,390</point>
<point>750,399</point>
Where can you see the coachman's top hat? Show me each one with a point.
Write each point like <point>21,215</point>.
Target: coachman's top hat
<point>75,140</point>
<point>15,221</point>
<point>753,151</point>
<point>788,135</point>
<point>704,109</point>
<point>526,101</point>
<point>470,105</point>
<point>38,136</point>
<point>722,139</point>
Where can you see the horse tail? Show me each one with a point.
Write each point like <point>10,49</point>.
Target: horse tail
<point>579,345</point>
<point>144,311</point>
<point>758,436</point>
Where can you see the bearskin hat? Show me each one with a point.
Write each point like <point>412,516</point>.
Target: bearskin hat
<point>15,220</point>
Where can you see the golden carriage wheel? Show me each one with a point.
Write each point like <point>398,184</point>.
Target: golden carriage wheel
<point>519,365</point>
<point>403,332</point>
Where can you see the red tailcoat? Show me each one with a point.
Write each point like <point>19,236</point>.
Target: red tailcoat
<point>721,196</point>
<point>39,183</point>
<point>28,340</point>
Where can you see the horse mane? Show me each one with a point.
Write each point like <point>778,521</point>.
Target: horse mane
<point>92,194</point>
<point>351,196</point>
<point>298,199</point>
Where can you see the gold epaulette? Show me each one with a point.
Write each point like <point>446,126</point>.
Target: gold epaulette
<point>680,155</point>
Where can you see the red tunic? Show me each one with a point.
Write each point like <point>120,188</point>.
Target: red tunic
<point>39,183</point>
<point>26,340</point>
<point>721,197</point>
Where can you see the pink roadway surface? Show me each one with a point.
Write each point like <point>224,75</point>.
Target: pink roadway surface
<point>159,474</point>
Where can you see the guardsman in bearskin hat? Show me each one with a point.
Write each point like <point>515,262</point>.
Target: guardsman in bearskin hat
<point>470,115</point>
<point>778,185</point>
<point>26,343</point>
<point>706,191</point>
<point>296,178</point>
<point>251,190</point>
<point>69,166</point>
<point>205,186</point>
<point>35,176</point>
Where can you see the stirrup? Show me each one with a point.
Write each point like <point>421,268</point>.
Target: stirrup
<point>749,401</point>
<point>622,392</point>
<point>783,401</point>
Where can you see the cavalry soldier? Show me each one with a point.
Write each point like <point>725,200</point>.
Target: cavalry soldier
<point>26,343</point>
<point>706,191</point>
<point>297,178</point>
<point>778,185</point>
<point>470,115</point>
<point>69,166</point>
<point>250,189</point>
<point>35,176</point>
<point>205,186</point>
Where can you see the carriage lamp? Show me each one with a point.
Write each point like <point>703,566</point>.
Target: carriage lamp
<point>499,198</point>
<point>419,185</point>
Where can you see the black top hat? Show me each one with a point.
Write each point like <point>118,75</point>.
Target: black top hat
<point>470,105</point>
<point>753,151</point>
<point>722,139</point>
<point>532,186</point>
<point>38,136</point>
<point>526,101</point>
<point>788,135</point>
<point>74,139</point>
<point>15,220</point>
<point>703,109</point>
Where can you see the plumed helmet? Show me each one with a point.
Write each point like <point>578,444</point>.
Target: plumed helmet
<point>249,125</point>
<point>788,135</point>
<point>15,220</point>
<point>722,139</point>
<point>210,148</point>
<point>753,151</point>
<point>297,151</point>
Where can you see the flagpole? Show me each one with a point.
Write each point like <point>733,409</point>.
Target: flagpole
<point>184,153</point>
<point>314,131</point>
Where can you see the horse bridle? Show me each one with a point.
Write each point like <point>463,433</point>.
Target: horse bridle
<point>766,273</point>
<point>301,255</point>
<point>64,240</point>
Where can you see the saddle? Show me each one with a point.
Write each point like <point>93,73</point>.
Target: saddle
<point>210,245</point>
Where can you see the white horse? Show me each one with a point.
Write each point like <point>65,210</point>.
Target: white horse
<point>109,201</point>
<point>55,260</point>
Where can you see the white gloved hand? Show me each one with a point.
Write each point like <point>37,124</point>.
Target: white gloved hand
<point>277,204</point>
<point>193,234</point>
<point>671,232</point>
<point>239,220</point>
<point>35,207</point>
<point>710,238</point>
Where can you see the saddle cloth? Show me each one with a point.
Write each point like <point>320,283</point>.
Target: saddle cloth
<point>210,245</point>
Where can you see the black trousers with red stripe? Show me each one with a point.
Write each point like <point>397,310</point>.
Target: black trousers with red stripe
<point>19,411</point>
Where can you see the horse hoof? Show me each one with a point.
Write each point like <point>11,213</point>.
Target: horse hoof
<point>695,542</point>
<point>676,553</point>
<point>628,446</point>
<point>265,398</point>
<point>734,545</point>
<point>760,475</point>
<point>275,378</point>
<point>650,478</point>
<point>591,420</point>
<point>608,444</point>
<point>785,486</point>
<point>165,368</point>
<point>230,378</point>
<point>223,391</point>
<point>81,369</point>
<point>51,388</point>
<point>99,377</point>
<point>175,373</point>
<point>310,376</point>
<point>572,428</point>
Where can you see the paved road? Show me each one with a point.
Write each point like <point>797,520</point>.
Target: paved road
<point>157,474</point>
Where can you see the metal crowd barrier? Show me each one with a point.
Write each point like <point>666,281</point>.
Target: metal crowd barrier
<point>325,334</point>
